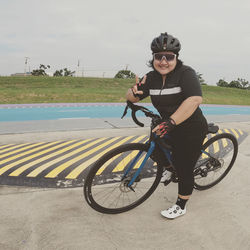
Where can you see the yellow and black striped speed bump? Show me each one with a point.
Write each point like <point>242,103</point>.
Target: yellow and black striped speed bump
<point>61,163</point>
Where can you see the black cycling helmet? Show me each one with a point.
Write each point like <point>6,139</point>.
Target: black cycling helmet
<point>165,42</point>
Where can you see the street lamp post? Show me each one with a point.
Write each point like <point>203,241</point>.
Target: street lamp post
<point>25,65</point>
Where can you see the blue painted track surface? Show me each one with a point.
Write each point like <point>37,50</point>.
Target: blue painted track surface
<point>29,112</point>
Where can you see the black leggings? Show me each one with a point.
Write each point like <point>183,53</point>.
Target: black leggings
<point>187,141</point>
<point>185,155</point>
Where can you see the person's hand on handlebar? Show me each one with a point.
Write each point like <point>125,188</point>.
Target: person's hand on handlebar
<point>136,89</point>
<point>165,127</point>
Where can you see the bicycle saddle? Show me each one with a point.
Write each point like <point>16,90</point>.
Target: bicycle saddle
<point>212,128</point>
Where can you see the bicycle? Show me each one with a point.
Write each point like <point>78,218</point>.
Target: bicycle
<point>126,176</point>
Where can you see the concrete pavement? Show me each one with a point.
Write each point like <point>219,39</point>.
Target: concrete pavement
<point>35,218</point>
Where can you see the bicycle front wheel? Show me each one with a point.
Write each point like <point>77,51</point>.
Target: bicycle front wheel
<point>217,158</point>
<point>106,186</point>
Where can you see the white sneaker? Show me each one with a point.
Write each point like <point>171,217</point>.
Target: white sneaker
<point>173,212</point>
<point>166,175</point>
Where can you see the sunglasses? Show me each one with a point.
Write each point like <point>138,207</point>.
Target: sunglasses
<point>167,57</point>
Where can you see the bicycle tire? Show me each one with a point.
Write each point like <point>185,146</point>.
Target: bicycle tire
<point>223,150</point>
<point>150,175</point>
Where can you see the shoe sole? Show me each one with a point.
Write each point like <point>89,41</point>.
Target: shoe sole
<point>172,218</point>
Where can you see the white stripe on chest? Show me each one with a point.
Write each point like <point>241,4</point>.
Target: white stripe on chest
<point>165,91</point>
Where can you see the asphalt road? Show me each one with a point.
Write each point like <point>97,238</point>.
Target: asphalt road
<point>35,218</point>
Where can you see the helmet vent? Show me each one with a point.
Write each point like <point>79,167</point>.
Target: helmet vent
<point>165,42</point>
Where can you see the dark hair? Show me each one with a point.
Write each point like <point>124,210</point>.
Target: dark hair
<point>150,63</point>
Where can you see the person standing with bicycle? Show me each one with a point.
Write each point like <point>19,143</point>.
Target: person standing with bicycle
<point>175,92</point>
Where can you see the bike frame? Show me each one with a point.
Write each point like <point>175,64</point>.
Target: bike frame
<point>152,145</point>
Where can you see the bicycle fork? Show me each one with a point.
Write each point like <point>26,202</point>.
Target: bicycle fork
<point>132,164</point>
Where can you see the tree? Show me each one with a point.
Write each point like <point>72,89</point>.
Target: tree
<point>40,71</point>
<point>239,83</point>
<point>222,83</point>
<point>63,72</point>
<point>201,80</point>
<point>234,84</point>
<point>125,74</point>
<point>68,72</point>
<point>244,84</point>
<point>58,73</point>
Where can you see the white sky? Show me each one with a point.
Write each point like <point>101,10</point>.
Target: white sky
<point>107,35</point>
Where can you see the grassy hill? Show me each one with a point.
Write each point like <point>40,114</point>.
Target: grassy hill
<point>79,89</point>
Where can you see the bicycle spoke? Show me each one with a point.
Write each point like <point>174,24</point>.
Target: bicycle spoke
<point>108,190</point>
<point>107,194</point>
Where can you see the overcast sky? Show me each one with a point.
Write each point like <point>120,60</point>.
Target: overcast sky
<point>108,35</point>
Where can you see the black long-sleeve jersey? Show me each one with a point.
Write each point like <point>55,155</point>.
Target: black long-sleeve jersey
<point>166,97</point>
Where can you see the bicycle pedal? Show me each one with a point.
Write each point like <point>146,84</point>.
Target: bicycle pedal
<point>166,182</point>
<point>174,178</point>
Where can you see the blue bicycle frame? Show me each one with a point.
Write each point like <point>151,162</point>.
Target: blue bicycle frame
<point>150,151</point>
<point>167,153</point>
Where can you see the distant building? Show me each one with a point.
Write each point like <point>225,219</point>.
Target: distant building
<point>21,74</point>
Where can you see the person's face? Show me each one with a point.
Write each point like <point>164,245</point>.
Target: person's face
<point>164,62</point>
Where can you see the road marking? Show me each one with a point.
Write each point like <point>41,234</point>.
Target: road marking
<point>17,151</point>
<point>63,166</point>
<point>235,133</point>
<point>65,161</point>
<point>9,166</point>
<point>38,170</point>
<point>224,141</point>
<point>118,167</point>
<point>6,146</point>
<point>26,166</point>
<point>77,171</point>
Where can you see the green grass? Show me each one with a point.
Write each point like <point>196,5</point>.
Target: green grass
<point>227,96</point>
<point>78,89</point>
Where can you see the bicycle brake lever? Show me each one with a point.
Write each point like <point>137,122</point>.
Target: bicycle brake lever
<point>125,111</point>
<point>134,108</point>
<point>129,105</point>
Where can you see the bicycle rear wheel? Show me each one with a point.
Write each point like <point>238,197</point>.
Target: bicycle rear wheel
<point>105,188</point>
<point>217,158</point>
